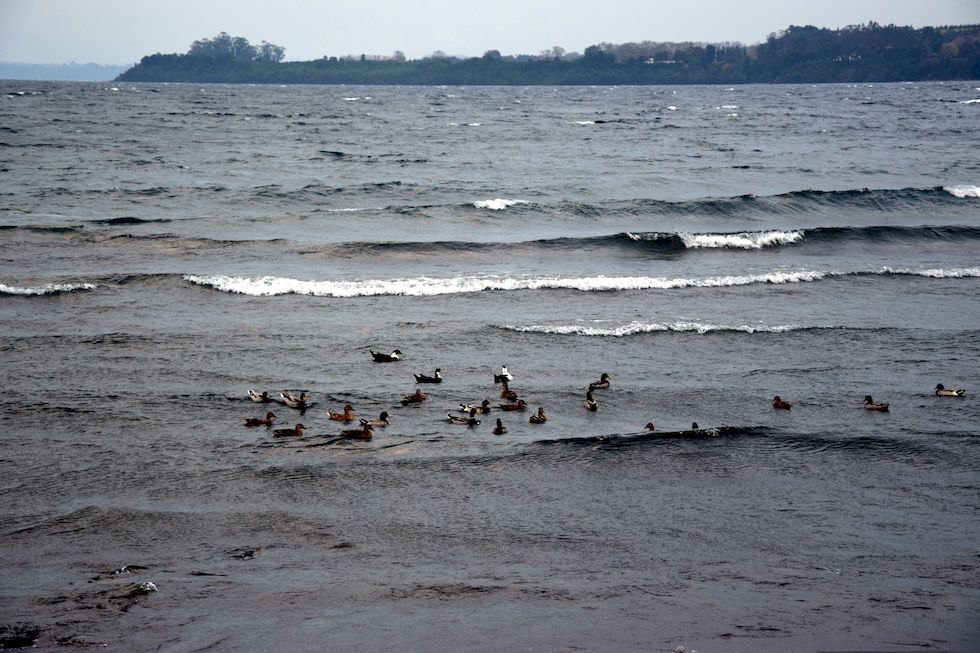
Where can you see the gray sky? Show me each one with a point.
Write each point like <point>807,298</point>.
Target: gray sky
<point>123,31</point>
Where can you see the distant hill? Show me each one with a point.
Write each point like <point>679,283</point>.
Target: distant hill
<point>73,72</point>
<point>855,54</point>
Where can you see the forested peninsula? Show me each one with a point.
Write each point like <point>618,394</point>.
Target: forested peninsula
<point>856,54</point>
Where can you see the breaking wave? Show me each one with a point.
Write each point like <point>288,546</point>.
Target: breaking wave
<point>46,289</point>
<point>634,328</point>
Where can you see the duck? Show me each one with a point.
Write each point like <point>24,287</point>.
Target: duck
<point>695,427</point>
<point>259,397</point>
<point>520,405</point>
<point>943,391</point>
<point>259,421</point>
<point>435,378</point>
<point>482,409</point>
<point>468,421</point>
<point>650,427</point>
<point>539,417</point>
<point>386,358</point>
<point>364,433</point>
<point>346,416</point>
<point>507,393</point>
<point>870,404</point>
<point>590,403</point>
<point>413,398</point>
<point>780,404</point>
<point>499,428</point>
<point>503,376</point>
<point>601,384</point>
<point>298,430</point>
<point>292,401</point>
<point>381,421</point>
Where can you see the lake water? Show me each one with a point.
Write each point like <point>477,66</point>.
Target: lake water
<point>166,248</point>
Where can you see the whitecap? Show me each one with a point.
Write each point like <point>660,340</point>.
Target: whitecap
<point>935,273</point>
<point>970,101</point>
<point>963,191</point>
<point>497,204</point>
<point>46,289</point>
<point>583,122</point>
<point>634,328</point>
<point>743,240</point>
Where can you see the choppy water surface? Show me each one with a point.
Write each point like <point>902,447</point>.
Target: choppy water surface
<point>168,247</point>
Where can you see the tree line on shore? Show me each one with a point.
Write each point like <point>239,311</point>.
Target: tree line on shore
<point>856,54</point>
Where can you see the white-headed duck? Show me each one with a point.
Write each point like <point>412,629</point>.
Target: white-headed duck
<point>943,391</point>
<point>386,358</point>
<point>435,378</point>
<point>293,401</point>
<point>346,416</point>
<point>601,384</point>
<point>482,409</point>
<point>870,404</point>
<point>259,397</point>
<point>382,421</point>
<point>260,421</point>
<point>520,405</point>
<point>289,432</point>
<point>590,403</point>
<point>779,404</point>
<point>499,428</point>
<point>365,433</point>
<point>539,417</point>
<point>414,398</point>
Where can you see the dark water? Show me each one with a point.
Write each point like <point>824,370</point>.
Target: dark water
<point>167,248</point>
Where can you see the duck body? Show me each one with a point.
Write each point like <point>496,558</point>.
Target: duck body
<point>520,405</point>
<point>419,396</point>
<point>504,375</point>
<point>346,416</point>
<point>499,428</point>
<point>435,378</point>
<point>870,404</point>
<point>779,404</point>
<point>539,417</point>
<point>293,401</point>
<point>468,421</point>
<point>650,427</point>
<point>259,397</point>
<point>297,431</point>
<point>943,391</point>
<point>386,358</point>
<point>590,404</point>
<point>482,409</point>
<point>601,384</point>
<point>260,421</point>
<point>507,393</point>
<point>380,422</point>
<point>365,433</point>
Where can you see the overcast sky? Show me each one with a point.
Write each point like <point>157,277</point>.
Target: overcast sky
<point>123,31</point>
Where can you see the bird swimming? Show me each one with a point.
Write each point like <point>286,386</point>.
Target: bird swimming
<point>364,433</point>
<point>499,429</point>
<point>346,416</point>
<point>590,403</point>
<point>482,409</point>
<point>386,358</point>
<point>293,401</point>
<point>261,398</point>
<point>435,378</point>
<point>289,432</point>
<point>503,376</point>
<point>520,405</point>
<point>413,398</point>
<point>870,404</point>
<point>601,384</point>
<point>381,421</point>
<point>778,403</point>
<point>539,417</point>
<point>943,391</point>
<point>260,421</point>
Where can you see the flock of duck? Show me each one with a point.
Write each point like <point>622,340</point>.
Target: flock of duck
<point>471,411</point>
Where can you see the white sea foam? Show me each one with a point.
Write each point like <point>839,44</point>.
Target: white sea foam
<point>970,101</point>
<point>634,328</point>
<point>497,204</point>
<point>584,122</point>
<point>46,289</point>
<point>963,191</point>
<point>935,273</point>
<point>744,240</point>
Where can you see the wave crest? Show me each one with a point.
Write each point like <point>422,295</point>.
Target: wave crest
<point>498,204</point>
<point>46,289</point>
<point>634,328</point>
<point>963,191</point>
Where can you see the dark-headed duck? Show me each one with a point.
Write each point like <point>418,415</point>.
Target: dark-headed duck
<point>601,384</point>
<point>590,403</point>
<point>364,433</point>
<point>943,391</point>
<point>520,405</point>
<point>260,397</point>
<point>482,409</point>
<point>413,398</point>
<point>779,404</point>
<point>293,401</point>
<point>260,421</point>
<point>382,421</point>
<point>870,404</point>
<point>507,393</point>
<point>289,432</point>
<point>539,417</point>
<point>471,420</point>
<point>499,428</point>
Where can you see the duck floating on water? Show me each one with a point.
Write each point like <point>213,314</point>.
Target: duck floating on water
<point>520,405</point>
<point>471,420</point>
<point>943,391</point>
<point>364,433</point>
<point>601,384</point>
<point>507,393</point>
<point>297,431</point>
<point>419,396</point>
<point>504,375</point>
<point>499,428</point>
<point>650,427</point>
<point>482,409</point>
<point>870,404</point>
<point>539,417</point>
<point>381,421</point>
<point>259,397</point>
<point>779,404</point>
<point>590,403</point>
<point>260,421</point>
<point>293,401</point>
<point>386,358</point>
<point>435,378</point>
<point>346,416</point>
